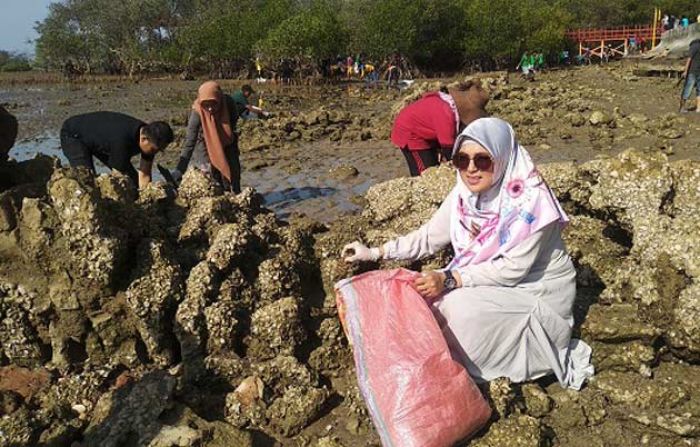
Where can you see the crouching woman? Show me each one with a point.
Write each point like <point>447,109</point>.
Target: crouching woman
<point>504,302</point>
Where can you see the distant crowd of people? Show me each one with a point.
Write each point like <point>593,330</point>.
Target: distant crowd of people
<point>349,67</point>
<point>669,22</point>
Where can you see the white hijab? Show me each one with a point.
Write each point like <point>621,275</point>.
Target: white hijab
<point>517,204</point>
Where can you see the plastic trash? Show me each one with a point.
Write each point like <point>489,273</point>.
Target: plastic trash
<point>417,395</point>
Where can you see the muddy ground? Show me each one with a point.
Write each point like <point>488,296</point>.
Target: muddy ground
<point>198,318</point>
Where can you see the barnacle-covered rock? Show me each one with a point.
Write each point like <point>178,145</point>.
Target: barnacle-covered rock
<point>96,249</point>
<point>595,254</point>
<point>629,356</point>
<point>117,187</point>
<point>295,409</point>
<point>222,327</point>
<point>278,278</point>
<point>237,289</point>
<point>267,228</point>
<point>571,184</point>
<point>190,326</point>
<point>130,414</point>
<point>203,220</point>
<point>537,402</point>
<point>501,396</point>
<point>516,431</point>
<point>333,354</point>
<point>409,202</point>
<point>197,185</point>
<point>686,188</point>
<point>633,186</point>
<point>617,323</point>
<point>229,244</point>
<point>282,372</point>
<point>37,226</point>
<point>684,335</point>
<point>276,330</point>
<point>17,428</point>
<point>153,298</point>
<point>291,397</point>
<point>242,414</point>
<point>18,341</point>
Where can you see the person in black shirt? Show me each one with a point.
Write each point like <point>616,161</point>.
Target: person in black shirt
<point>114,138</point>
<point>8,132</point>
<point>692,76</point>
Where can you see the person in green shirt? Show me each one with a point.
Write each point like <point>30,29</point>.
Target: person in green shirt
<point>247,110</point>
<point>540,61</point>
<point>533,61</point>
<point>523,64</point>
<point>527,65</point>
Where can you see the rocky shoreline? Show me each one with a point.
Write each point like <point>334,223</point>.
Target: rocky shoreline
<point>198,318</point>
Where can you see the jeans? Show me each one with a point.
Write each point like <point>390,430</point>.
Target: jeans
<point>691,80</point>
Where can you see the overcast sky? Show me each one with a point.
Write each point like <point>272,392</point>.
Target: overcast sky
<point>17,19</point>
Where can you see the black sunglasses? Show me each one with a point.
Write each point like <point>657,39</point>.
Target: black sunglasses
<point>482,161</point>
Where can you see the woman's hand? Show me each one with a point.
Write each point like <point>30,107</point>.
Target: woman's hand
<point>430,284</point>
<point>357,251</point>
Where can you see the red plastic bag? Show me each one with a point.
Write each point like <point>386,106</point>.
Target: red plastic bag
<point>416,394</point>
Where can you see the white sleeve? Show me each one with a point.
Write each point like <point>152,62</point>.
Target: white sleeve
<point>512,267</point>
<point>424,241</point>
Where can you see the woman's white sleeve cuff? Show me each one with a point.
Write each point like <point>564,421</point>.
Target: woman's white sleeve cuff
<point>466,278</point>
<point>388,249</point>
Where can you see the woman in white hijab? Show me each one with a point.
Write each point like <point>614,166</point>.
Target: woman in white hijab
<point>504,302</point>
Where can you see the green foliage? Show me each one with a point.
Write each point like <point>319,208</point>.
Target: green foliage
<point>439,43</point>
<point>230,31</point>
<point>502,29</point>
<point>14,62</point>
<point>104,35</point>
<point>130,36</point>
<point>61,38</point>
<point>387,26</point>
<point>427,32</point>
<point>312,34</point>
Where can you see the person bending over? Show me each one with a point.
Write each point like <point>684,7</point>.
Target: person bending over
<point>8,132</point>
<point>114,138</point>
<point>504,303</point>
<point>425,130</point>
<point>211,143</point>
<point>246,109</point>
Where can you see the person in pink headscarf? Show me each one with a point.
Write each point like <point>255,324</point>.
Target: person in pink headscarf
<point>505,301</point>
<point>211,142</point>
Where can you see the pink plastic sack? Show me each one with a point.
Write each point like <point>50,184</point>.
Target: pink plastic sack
<point>416,394</point>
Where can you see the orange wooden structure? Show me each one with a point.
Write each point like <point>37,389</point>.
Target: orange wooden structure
<point>616,38</point>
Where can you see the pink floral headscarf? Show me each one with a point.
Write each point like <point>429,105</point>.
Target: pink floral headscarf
<point>518,204</point>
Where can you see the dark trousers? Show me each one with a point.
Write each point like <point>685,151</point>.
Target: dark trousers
<point>420,160</point>
<point>77,153</point>
<point>233,155</point>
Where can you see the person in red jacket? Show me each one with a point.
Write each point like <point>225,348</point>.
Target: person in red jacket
<point>425,130</point>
